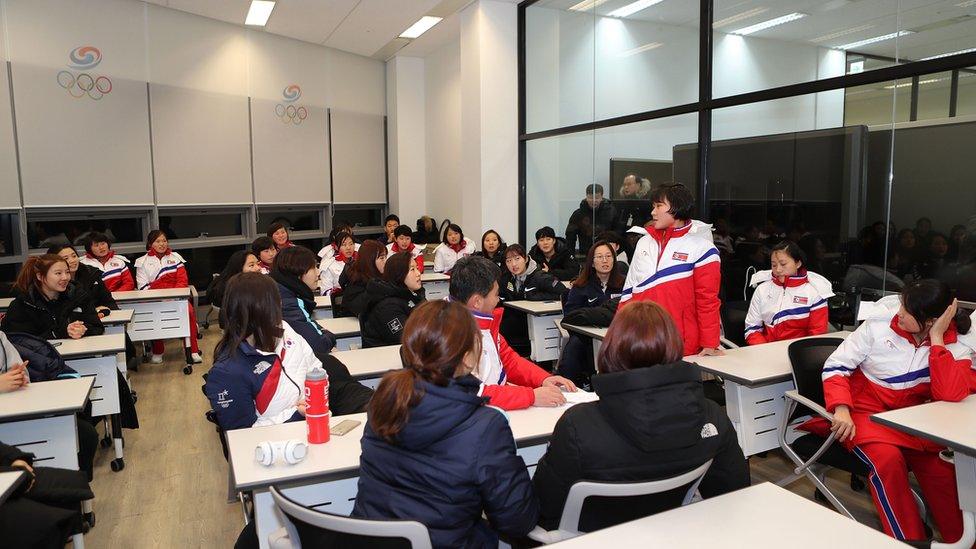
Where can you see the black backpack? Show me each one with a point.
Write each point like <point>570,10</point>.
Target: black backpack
<point>44,361</point>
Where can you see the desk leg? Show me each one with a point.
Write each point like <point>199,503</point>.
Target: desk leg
<point>756,413</point>
<point>597,343</point>
<point>966,484</point>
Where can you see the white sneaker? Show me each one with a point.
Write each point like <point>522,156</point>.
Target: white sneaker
<point>156,359</point>
<point>197,359</point>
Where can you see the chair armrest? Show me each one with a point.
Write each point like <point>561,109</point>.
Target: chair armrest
<point>727,344</point>
<point>820,410</point>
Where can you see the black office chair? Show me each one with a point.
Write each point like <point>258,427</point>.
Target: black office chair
<point>813,454</point>
<point>733,315</point>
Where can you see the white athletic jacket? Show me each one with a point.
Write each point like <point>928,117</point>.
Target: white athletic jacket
<point>446,256</point>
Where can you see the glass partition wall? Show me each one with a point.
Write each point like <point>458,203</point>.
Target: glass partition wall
<point>847,127</point>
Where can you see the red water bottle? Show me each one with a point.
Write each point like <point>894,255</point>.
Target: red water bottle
<point>317,414</point>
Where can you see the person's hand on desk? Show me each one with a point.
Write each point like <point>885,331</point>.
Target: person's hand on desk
<point>302,406</point>
<point>708,351</point>
<point>76,329</point>
<point>14,378</point>
<point>843,425</point>
<point>548,396</point>
<point>103,311</point>
<point>560,382</point>
<point>30,471</point>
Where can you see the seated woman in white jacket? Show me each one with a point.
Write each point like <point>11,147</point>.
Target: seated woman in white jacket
<point>343,252</point>
<point>260,363</point>
<point>454,245</point>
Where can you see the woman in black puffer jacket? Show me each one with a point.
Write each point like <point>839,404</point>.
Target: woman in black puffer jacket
<point>390,300</point>
<point>48,304</point>
<point>522,279</point>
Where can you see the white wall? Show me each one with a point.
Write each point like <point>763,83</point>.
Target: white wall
<point>145,43</point>
<point>442,116</point>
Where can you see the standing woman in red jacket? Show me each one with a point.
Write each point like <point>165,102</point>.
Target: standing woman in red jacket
<point>163,268</point>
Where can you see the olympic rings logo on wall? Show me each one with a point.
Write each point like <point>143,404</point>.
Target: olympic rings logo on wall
<point>290,113</point>
<point>78,85</point>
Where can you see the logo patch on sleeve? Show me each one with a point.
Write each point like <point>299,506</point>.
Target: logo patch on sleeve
<point>678,256</point>
<point>800,300</point>
<point>395,325</point>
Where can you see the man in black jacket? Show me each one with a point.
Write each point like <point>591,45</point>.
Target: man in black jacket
<point>553,255</point>
<point>594,215</point>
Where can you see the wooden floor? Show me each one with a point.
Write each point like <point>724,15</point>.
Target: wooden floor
<point>172,492</point>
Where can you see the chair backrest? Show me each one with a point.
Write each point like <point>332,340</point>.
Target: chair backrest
<point>807,357</point>
<point>733,317</point>
<point>570,519</point>
<point>407,532</point>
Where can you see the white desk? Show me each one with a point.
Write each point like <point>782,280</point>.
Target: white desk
<point>756,380</point>
<point>952,424</point>
<point>367,366</point>
<point>730,520</point>
<point>328,478</point>
<point>436,285</point>
<point>323,307</point>
<point>159,314</point>
<point>40,419</point>
<point>5,304</point>
<point>116,321</point>
<point>543,318</point>
<point>10,481</point>
<point>346,330</point>
<point>100,358</point>
<point>592,332</point>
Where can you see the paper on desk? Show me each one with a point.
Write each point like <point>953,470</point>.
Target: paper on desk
<point>580,396</point>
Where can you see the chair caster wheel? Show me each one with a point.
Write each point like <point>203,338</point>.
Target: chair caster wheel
<point>188,369</point>
<point>89,519</point>
<point>857,483</point>
<point>106,442</point>
<point>117,465</point>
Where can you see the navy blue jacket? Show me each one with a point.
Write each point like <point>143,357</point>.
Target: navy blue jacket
<point>590,295</point>
<point>297,304</point>
<point>454,459</point>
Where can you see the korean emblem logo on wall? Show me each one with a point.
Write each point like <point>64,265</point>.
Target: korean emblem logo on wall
<point>81,81</point>
<point>288,111</point>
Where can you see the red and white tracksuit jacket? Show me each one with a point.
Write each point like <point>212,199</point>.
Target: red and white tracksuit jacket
<point>679,268</point>
<point>446,255</point>
<point>154,272</point>
<point>115,271</point>
<point>787,310</point>
<point>330,268</point>
<point>879,368</point>
<point>506,378</point>
<point>329,250</point>
<point>415,252</point>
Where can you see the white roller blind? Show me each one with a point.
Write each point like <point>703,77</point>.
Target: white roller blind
<point>84,138</point>
<point>358,158</point>
<point>201,146</point>
<point>291,152</point>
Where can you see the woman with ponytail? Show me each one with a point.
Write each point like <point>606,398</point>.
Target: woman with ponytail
<point>48,304</point>
<point>432,450</point>
<point>911,349</point>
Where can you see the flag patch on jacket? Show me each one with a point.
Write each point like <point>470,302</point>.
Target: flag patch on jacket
<point>679,256</point>
<point>799,300</point>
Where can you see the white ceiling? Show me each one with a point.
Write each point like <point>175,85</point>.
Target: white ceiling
<point>363,27</point>
<point>941,26</point>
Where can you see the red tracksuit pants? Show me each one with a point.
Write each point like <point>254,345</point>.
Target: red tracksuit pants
<point>889,465</point>
<point>158,348</point>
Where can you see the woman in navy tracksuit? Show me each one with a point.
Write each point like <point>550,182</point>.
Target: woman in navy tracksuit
<point>523,279</point>
<point>600,281</point>
<point>296,271</point>
<point>432,451</point>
